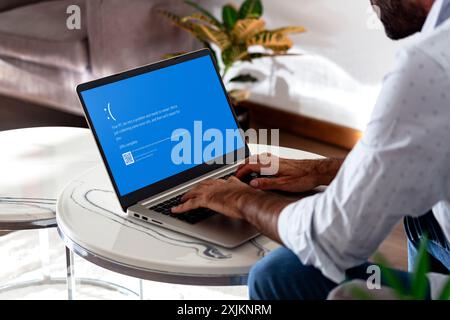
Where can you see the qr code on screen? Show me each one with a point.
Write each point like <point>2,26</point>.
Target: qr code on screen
<point>128,158</point>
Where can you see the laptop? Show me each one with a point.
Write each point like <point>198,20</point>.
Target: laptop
<point>159,129</point>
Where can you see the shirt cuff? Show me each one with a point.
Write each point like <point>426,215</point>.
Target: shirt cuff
<point>283,223</point>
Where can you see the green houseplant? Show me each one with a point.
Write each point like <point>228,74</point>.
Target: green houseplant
<point>419,287</point>
<point>240,35</point>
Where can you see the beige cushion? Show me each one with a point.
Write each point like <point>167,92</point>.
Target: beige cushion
<point>38,33</point>
<point>126,34</point>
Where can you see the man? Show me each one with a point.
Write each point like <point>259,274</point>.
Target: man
<point>400,168</point>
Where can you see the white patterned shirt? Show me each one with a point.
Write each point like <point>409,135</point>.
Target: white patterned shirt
<point>401,166</point>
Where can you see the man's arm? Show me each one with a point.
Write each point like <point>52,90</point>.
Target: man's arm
<point>395,170</point>
<point>261,209</point>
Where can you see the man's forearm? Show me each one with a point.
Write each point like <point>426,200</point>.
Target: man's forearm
<point>262,210</point>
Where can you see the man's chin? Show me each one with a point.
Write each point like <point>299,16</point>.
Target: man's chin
<point>395,35</point>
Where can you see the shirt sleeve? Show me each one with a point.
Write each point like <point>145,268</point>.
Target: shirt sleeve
<point>396,169</point>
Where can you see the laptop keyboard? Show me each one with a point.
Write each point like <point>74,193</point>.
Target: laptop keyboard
<point>192,217</point>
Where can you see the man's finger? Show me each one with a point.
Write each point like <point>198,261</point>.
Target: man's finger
<point>247,169</point>
<point>266,183</point>
<point>208,182</point>
<point>251,159</point>
<point>234,179</point>
<point>254,159</point>
<point>191,194</point>
<point>186,206</point>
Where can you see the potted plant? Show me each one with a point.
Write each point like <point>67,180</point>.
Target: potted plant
<point>395,287</point>
<point>240,35</point>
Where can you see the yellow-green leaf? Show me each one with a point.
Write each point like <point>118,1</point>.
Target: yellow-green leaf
<point>233,54</point>
<point>247,28</point>
<point>173,55</point>
<point>193,28</point>
<point>239,95</point>
<point>199,17</point>
<point>259,55</point>
<point>177,20</point>
<point>203,11</point>
<point>291,29</point>
<point>278,42</point>
<point>218,37</point>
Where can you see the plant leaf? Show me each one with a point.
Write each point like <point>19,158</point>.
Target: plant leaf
<point>244,78</point>
<point>391,279</point>
<point>233,54</point>
<point>260,55</point>
<point>247,28</point>
<point>215,36</point>
<point>291,29</point>
<point>276,41</point>
<point>173,55</point>
<point>419,284</point>
<point>229,16</point>
<point>251,9</point>
<point>204,11</point>
<point>445,294</point>
<point>178,21</point>
<point>199,17</point>
<point>239,95</point>
<point>204,34</point>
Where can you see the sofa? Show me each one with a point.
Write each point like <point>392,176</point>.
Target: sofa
<point>337,79</point>
<point>41,60</point>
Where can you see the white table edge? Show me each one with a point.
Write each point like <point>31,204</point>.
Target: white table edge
<point>158,275</point>
<point>149,274</point>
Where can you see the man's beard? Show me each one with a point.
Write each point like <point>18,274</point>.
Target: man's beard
<point>401,18</point>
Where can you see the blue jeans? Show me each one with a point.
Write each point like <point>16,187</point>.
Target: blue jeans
<point>282,276</point>
<point>438,247</point>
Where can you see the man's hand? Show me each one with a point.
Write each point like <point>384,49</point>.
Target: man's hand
<point>219,195</point>
<point>236,199</point>
<point>292,175</point>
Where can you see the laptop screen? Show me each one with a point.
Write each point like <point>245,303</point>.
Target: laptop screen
<point>158,124</point>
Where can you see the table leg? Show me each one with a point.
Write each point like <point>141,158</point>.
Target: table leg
<point>70,279</point>
<point>141,289</point>
<point>44,248</point>
<point>70,274</point>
